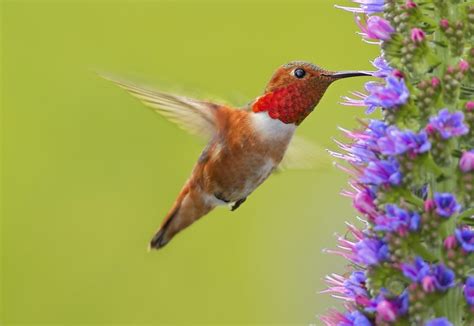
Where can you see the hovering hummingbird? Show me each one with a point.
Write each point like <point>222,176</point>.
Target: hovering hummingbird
<point>245,145</point>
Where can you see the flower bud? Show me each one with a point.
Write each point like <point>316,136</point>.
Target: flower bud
<point>450,242</point>
<point>466,163</point>
<point>376,28</point>
<point>417,35</point>
<point>364,203</point>
<point>463,66</point>
<point>387,311</point>
<point>470,106</point>
<point>410,4</point>
<point>444,23</point>
<point>429,284</point>
<point>435,82</point>
<point>429,205</point>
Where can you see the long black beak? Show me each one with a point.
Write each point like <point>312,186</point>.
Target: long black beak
<point>346,74</point>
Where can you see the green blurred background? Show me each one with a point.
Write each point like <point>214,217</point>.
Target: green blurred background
<point>88,172</point>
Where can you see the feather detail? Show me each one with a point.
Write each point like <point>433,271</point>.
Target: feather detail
<point>195,116</point>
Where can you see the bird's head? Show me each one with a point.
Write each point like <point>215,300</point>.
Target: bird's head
<point>295,89</point>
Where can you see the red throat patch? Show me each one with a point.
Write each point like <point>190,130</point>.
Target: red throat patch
<point>290,104</point>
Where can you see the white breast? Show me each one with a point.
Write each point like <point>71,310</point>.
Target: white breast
<point>272,129</point>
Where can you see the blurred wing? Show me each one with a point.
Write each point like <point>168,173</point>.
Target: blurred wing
<point>194,116</point>
<point>303,155</point>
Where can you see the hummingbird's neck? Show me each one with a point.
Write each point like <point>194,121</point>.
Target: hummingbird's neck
<point>290,104</point>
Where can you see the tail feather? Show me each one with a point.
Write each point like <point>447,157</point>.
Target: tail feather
<point>160,239</point>
<point>189,207</point>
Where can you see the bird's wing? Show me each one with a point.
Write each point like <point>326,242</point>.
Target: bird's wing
<point>302,154</point>
<point>194,116</point>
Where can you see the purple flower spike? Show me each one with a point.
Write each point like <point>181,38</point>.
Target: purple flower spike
<point>466,163</point>
<point>448,124</point>
<point>438,322</point>
<point>365,6</point>
<point>411,169</point>
<point>465,237</point>
<point>393,94</point>
<point>377,28</point>
<point>469,290</point>
<point>385,172</point>
<point>446,204</point>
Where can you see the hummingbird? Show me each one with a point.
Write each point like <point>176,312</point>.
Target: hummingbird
<point>244,145</point>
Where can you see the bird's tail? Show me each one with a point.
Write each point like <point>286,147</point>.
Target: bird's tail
<point>189,207</point>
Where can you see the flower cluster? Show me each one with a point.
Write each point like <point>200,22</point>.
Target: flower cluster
<point>430,277</point>
<point>412,173</point>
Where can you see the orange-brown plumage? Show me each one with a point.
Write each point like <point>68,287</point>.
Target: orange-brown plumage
<point>245,145</point>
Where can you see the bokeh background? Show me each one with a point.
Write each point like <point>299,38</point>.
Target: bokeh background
<point>88,172</point>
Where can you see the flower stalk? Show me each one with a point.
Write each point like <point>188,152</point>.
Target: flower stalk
<point>412,173</point>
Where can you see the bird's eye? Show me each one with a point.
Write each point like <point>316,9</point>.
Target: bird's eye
<point>299,73</point>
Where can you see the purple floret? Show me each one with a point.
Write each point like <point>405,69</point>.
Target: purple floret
<point>396,142</point>
<point>355,285</point>
<point>416,271</point>
<point>397,219</point>
<point>355,318</point>
<point>469,290</point>
<point>393,94</point>
<point>448,124</point>
<point>371,251</point>
<point>446,204</point>
<point>432,277</point>
<point>439,322</point>
<point>465,236</point>
<point>365,6</point>
<point>444,277</point>
<point>383,69</point>
<point>376,28</point>
<point>382,172</point>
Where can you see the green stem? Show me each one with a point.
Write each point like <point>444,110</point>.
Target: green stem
<point>451,305</point>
